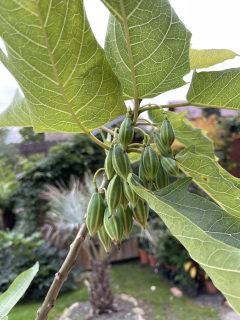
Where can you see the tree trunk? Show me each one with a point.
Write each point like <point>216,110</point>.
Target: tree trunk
<point>101,297</point>
<point>8,219</point>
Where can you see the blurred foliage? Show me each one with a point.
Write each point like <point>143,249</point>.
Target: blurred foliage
<point>6,170</point>
<point>71,158</point>
<point>18,253</point>
<point>7,190</point>
<point>27,164</point>
<point>28,135</point>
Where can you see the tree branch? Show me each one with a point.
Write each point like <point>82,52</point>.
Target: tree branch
<point>154,106</point>
<point>61,275</point>
<point>68,264</point>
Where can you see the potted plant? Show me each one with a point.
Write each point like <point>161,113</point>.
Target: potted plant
<point>143,252</point>
<point>209,285</point>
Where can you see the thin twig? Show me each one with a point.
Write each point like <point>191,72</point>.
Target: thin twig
<point>155,106</point>
<point>61,275</point>
<point>107,130</point>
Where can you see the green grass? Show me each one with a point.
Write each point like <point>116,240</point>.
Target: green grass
<point>135,281</point>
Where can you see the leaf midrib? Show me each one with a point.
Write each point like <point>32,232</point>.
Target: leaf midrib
<point>55,70</point>
<point>125,24</point>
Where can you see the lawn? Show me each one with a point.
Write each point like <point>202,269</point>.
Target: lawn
<point>135,281</point>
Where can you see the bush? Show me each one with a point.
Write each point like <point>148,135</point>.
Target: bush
<point>66,159</point>
<point>18,253</point>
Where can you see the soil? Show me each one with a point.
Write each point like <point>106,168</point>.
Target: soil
<point>128,308</point>
<point>125,310</point>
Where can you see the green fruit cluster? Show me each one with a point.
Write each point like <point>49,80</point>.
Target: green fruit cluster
<point>111,214</point>
<point>163,142</point>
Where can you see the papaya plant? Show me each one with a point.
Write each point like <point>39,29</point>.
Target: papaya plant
<point>71,84</point>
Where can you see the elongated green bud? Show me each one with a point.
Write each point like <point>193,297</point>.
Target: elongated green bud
<point>130,194</point>
<point>113,227</point>
<point>167,133</point>
<point>127,219</point>
<point>126,133</point>
<point>125,201</point>
<point>114,194</point>
<point>170,166</point>
<point>140,212</point>
<point>146,180</point>
<point>141,172</point>
<point>161,179</point>
<point>104,238</point>
<point>163,150</point>
<point>95,212</point>
<point>121,162</point>
<point>150,162</point>
<point>108,165</point>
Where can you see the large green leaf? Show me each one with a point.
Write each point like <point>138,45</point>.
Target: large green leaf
<point>17,289</point>
<point>17,114</point>
<point>217,89</point>
<point>184,214</point>
<point>147,46</point>
<point>185,132</point>
<point>59,66</point>
<point>204,58</point>
<point>212,178</point>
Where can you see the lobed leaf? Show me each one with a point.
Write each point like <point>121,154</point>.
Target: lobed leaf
<point>147,46</point>
<point>215,89</point>
<point>220,185</point>
<point>185,132</point>
<point>17,289</point>
<point>205,58</point>
<point>61,69</point>
<point>184,214</point>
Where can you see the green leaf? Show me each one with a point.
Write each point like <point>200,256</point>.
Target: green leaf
<point>216,89</point>
<point>184,214</point>
<point>61,69</point>
<point>220,185</point>
<point>185,132</point>
<point>17,289</point>
<point>209,57</point>
<point>17,114</point>
<point>147,47</point>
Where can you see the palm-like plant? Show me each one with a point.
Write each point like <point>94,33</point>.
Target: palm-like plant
<point>68,206</point>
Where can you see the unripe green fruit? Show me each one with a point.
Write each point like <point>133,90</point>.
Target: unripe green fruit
<point>121,162</point>
<point>126,133</point>
<point>130,194</point>
<point>104,238</point>
<point>113,227</point>
<point>163,150</point>
<point>95,212</point>
<point>127,219</point>
<point>141,172</point>
<point>108,165</point>
<point>114,194</point>
<point>170,166</point>
<point>167,133</point>
<point>140,212</point>
<point>150,162</point>
<point>161,179</point>
<point>125,201</point>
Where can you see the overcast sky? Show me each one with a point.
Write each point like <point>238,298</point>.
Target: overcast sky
<point>213,23</point>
